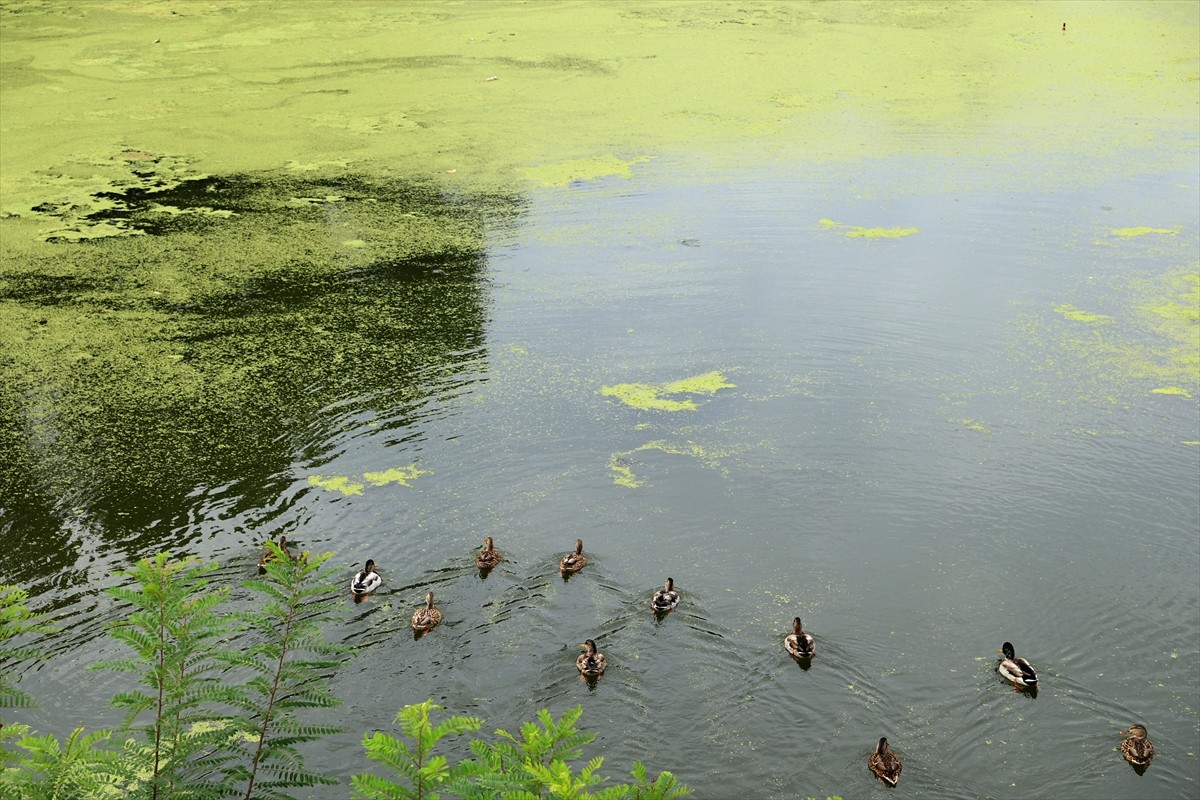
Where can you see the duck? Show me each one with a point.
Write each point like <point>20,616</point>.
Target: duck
<point>665,598</point>
<point>427,616</point>
<point>488,557</point>
<point>573,562</point>
<point>884,763</point>
<point>1017,670</point>
<point>366,581</point>
<point>798,643</point>
<point>590,662</point>
<point>1137,749</point>
<point>269,556</point>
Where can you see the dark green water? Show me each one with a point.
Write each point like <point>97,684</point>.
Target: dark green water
<point>919,455</point>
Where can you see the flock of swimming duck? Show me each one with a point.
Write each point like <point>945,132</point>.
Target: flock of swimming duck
<point>1138,750</point>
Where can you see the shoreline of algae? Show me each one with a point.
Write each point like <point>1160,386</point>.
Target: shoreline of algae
<point>580,91</point>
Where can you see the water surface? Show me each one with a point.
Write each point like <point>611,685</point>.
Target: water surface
<point>957,405</point>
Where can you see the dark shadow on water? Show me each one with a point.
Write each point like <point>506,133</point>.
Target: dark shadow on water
<point>803,662</point>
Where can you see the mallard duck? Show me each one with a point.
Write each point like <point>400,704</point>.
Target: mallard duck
<point>427,616</point>
<point>590,662</point>
<point>665,598</point>
<point>885,764</point>
<point>366,581</point>
<point>573,562</point>
<point>488,557</point>
<point>799,643</point>
<point>1017,670</point>
<point>1137,749</point>
<point>269,556</point>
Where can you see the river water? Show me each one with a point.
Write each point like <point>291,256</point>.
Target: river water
<point>924,406</point>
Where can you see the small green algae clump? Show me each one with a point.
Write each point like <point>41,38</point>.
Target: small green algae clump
<point>1071,312</point>
<point>1132,233</point>
<point>859,232</point>
<point>400,475</point>
<point>649,397</point>
<point>1176,390</point>
<point>336,483</point>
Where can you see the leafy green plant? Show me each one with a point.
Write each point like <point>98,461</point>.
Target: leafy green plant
<point>425,773</point>
<point>288,667</point>
<point>175,633</point>
<point>47,769</point>
<point>50,770</point>
<point>16,619</point>
<point>532,765</point>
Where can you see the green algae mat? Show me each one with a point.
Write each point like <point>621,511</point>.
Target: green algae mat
<point>192,194</point>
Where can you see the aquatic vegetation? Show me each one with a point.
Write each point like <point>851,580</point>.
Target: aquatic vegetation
<point>336,483</point>
<point>563,173</point>
<point>1073,313</point>
<point>623,474</point>
<point>403,476</point>
<point>859,232</point>
<point>530,764</point>
<point>1132,233</point>
<point>1176,390</point>
<point>651,397</point>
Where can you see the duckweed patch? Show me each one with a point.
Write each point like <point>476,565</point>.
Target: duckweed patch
<point>336,483</point>
<point>651,397</point>
<point>204,349</point>
<point>1133,233</point>
<point>403,476</point>
<point>859,232</point>
<point>1078,315</point>
<point>1148,346</point>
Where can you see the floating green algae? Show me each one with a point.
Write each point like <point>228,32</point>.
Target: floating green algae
<point>563,173</point>
<point>577,82</point>
<point>859,232</point>
<point>975,425</point>
<point>1073,313</point>
<point>650,397</point>
<point>336,483</point>
<point>401,475</point>
<point>190,355</point>
<point>1132,233</point>
<point>623,474</point>
<point>1176,390</point>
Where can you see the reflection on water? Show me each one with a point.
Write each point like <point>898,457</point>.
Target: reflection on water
<point>904,456</point>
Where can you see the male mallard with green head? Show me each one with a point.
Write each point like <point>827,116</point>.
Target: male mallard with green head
<point>1137,749</point>
<point>885,764</point>
<point>427,616</point>
<point>573,562</point>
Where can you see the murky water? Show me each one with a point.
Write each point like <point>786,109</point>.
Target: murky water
<point>919,406</point>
